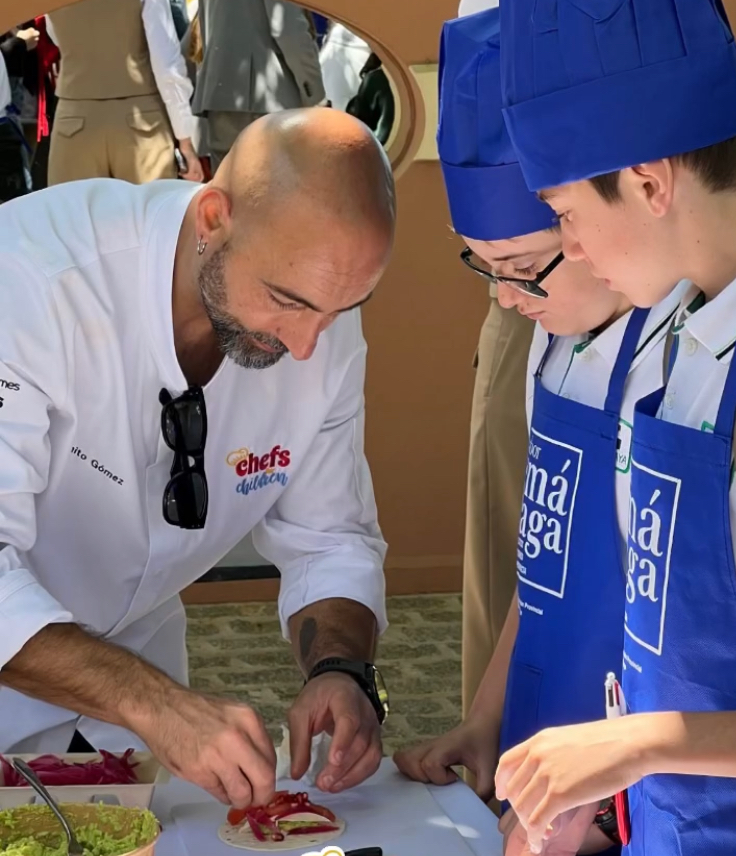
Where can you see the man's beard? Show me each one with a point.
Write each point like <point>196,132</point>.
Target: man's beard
<point>234,340</point>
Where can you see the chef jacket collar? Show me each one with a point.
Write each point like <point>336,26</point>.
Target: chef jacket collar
<point>162,235</point>
<point>711,322</point>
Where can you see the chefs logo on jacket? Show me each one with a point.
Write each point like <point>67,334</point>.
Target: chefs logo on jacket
<point>652,516</point>
<point>258,471</point>
<point>550,488</point>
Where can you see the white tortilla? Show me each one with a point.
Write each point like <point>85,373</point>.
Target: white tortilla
<point>242,836</point>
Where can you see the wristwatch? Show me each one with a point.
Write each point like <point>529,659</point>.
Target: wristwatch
<point>366,675</point>
<point>606,820</point>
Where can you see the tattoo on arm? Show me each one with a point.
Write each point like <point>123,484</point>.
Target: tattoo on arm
<point>333,628</point>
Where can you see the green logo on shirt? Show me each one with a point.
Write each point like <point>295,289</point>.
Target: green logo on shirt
<point>623,447</point>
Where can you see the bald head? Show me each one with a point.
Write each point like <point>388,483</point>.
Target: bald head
<point>295,230</point>
<point>318,159</point>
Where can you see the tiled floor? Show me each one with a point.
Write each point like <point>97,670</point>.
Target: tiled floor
<point>236,650</point>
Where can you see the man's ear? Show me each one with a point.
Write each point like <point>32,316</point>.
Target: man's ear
<point>214,215</point>
<point>650,184</point>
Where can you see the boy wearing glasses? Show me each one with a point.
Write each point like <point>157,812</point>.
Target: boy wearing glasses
<point>592,357</point>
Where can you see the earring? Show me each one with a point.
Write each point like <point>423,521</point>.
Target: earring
<point>201,246</point>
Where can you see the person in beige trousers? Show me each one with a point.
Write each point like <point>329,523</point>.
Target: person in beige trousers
<point>123,94</point>
<point>497,461</point>
<point>496,465</point>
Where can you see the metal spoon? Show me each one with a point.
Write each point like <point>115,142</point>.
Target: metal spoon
<point>74,848</point>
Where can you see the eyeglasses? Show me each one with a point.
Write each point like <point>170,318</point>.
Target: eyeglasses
<point>531,287</point>
<point>184,428</point>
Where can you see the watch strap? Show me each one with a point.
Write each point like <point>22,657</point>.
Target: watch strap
<point>607,821</point>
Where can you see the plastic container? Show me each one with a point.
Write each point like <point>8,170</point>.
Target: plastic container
<point>150,773</point>
<point>116,820</point>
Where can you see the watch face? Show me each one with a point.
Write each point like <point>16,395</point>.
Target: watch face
<point>381,689</point>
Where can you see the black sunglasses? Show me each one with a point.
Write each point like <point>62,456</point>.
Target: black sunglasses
<point>531,287</point>
<point>184,427</point>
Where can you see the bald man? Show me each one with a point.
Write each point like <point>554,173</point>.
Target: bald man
<point>180,366</point>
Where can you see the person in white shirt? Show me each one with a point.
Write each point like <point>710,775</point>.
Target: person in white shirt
<point>124,94</point>
<point>179,367</point>
<point>645,203</point>
<point>592,357</point>
<point>342,57</point>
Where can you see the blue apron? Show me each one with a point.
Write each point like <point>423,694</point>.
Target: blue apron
<point>680,640</point>
<point>569,559</point>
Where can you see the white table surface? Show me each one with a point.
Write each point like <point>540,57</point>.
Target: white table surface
<point>473,820</point>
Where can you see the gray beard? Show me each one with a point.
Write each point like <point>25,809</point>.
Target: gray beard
<point>233,339</point>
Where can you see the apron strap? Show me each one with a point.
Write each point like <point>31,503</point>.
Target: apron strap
<point>545,356</point>
<point>669,356</point>
<point>727,410</point>
<point>625,358</point>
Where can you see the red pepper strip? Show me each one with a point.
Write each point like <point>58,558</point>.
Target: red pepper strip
<point>262,818</point>
<point>255,828</point>
<point>236,816</point>
<point>313,830</point>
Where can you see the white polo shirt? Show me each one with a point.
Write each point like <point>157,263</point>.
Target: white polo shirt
<point>707,338</point>
<point>86,345</point>
<point>579,368</point>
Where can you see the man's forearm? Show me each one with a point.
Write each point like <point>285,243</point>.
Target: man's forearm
<point>336,627</point>
<point>65,666</point>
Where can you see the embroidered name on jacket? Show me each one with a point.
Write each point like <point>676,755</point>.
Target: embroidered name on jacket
<point>259,471</point>
<point>651,530</point>
<point>550,488</point>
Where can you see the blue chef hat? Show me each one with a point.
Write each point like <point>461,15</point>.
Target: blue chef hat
<point>488,198</point>
<point>593,86</point>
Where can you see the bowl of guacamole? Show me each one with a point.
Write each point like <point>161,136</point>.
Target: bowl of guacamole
<point>103,830</point>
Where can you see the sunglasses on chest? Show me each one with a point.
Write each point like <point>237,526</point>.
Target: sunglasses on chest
<point>184,429</point>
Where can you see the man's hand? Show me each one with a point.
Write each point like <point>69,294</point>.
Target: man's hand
<point>220,745</point>
<point>562,768</point>
<point>30,36</point>
<point>573,833</point>
<point>471,744</point>
<point>334,703</point>
<point>194,170</point>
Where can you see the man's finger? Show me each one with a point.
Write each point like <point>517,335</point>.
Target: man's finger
<point>259,772</point>
<point>213,786</point>
<point>347,725</point>
<point>361,770</point>
<point>238,788</point>
<point>255,728</point>
<point>300,742</point>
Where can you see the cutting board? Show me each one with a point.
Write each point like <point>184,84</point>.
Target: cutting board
<point>400,816</point>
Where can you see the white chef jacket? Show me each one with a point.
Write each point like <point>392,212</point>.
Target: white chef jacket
<point>86,344</point>
<point>579,368</point>
<point>167,64</point>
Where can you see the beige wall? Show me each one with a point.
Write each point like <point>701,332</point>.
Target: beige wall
<point>422,325</point>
